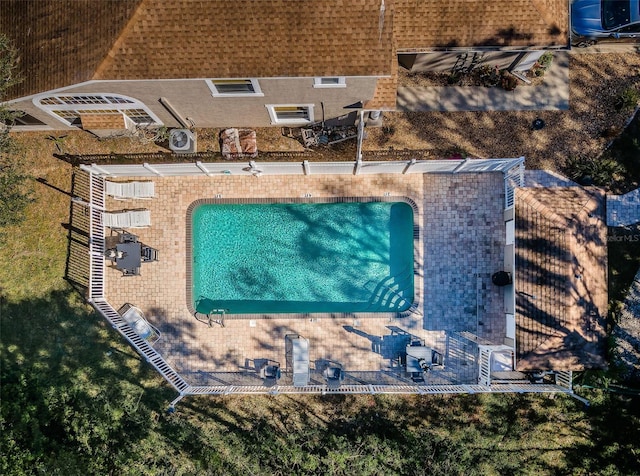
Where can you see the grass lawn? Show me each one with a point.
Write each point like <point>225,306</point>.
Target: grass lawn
<point>76,399</point>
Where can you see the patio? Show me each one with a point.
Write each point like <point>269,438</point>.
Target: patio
<point>461,242</point>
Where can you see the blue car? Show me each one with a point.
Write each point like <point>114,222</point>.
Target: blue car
<point>594,20</point>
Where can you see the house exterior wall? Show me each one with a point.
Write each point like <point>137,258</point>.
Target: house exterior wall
<point>193,99</point>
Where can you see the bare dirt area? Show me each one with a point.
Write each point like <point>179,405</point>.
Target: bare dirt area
<point>591,122</point>
<point>273,145</point>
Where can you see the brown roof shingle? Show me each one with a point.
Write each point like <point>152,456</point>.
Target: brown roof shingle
<point>61,42</point>
<point>244,38</point>
<point>437,24</point>
<point>561,278</point>
<point>385,95</point>
<point>103,121</point>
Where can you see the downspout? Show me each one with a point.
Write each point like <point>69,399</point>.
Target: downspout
<point>359,148</point>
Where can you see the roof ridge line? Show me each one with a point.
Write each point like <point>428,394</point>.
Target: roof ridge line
<point>527,195</point>
<point>108,59</point>
<point>591,205</point>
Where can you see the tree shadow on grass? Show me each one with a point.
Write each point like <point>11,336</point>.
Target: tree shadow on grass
<point>614,439</point>
<point>74,398</point>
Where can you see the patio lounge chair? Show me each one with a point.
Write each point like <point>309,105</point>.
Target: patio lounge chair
<point>135,318</point>
<point>127,219</point>
<point>126,190</point>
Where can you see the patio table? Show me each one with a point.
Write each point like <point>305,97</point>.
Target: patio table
<point>131,257</point>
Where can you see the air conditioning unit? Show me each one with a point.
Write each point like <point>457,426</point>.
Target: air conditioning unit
<point>182,141</point>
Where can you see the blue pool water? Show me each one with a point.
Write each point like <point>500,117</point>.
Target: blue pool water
<point>302,257</point>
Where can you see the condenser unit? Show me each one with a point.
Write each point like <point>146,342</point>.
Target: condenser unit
<point>182,141</point>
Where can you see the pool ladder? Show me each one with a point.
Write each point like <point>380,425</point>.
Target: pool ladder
<point>213,320</point>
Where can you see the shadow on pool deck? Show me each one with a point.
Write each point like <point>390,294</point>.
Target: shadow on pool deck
<point>461,243</point>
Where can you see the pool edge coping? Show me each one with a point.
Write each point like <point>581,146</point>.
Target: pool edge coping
<point>417,266</point>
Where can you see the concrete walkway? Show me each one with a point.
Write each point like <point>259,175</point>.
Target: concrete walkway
<point>553,94</point>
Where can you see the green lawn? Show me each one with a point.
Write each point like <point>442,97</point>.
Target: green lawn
<point>76,399</point>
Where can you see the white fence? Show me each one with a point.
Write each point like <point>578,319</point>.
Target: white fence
<point>513,178</point>
<point>305,168</point>
<point>96,288</point>
<point>509,167</point>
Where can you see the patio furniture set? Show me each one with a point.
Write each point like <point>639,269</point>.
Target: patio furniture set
<point>419,359</point>
<point>128,253</point>
<point>124,249</point>
<point>297,359</point>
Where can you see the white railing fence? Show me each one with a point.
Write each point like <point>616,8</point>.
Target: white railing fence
<point>304,168</point>
<point>513,178</point>
<point>512,168</point>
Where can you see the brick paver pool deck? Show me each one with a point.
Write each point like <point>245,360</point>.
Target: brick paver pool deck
<point>461,243</point>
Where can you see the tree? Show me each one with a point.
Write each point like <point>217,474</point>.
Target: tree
<point>15,189</point>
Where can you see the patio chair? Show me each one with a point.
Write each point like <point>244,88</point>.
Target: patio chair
<point>128,238</point>
<point>436,359</point>
<point>126,190</point>
<point>270,372</point>
<point>127,219</point>
<point>149,254</point>
<point>417,377</point>
<point>334,375</point>
<point>135,318</point>
<point>131,272</point>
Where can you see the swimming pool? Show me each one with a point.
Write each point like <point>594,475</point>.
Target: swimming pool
<point>271,258</point>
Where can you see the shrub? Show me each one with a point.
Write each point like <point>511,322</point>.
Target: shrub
<point>601,171</point>
<point>611,132</point>
<point>454,78</point>
<point>545,60</point>
<point>628,99</point>
<point>489,76</point>
<point>456,153</point>
<point>508,81</point>
<point>387,132</point>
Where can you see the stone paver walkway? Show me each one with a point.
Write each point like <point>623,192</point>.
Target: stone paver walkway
<point>623,210</point>
<point>464,246</point>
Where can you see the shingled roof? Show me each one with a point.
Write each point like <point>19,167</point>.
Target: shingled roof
<point>245,38</point>
<point>61,42</point>
<point>438,24</point>
<point>561,278</point>
<point>64,42</point>
<point>71,41</point>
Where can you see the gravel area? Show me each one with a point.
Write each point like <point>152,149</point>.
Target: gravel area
<point>584,130</point>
